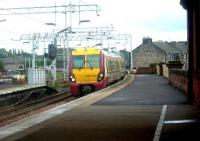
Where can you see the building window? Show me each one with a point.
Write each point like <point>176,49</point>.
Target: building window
<point>185,56</point>
<point>176,57</point>
<point>169,56</point>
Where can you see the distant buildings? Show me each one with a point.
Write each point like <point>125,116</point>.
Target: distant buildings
<point>155,52</point>
<point>13,64</point>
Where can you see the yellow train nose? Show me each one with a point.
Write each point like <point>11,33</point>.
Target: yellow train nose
<point>86,75</point>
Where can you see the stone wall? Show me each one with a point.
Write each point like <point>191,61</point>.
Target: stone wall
<point>158,70</point>
<point>165,71</point>
<point>144,55</point>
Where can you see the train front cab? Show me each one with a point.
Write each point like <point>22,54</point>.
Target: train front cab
<point>86,70</point>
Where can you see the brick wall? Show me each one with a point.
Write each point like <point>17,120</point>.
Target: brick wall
<point>178,78</point>
<point>145,70</point>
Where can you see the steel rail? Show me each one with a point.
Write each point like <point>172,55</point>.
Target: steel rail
<point>26,108</point>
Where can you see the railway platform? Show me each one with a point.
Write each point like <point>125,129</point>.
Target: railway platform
<point>16,88</point>
<point>141,108</point>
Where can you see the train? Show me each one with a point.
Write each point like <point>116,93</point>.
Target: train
<point>91,69</point>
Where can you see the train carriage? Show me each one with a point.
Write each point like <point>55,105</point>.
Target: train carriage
<point>91,68</point>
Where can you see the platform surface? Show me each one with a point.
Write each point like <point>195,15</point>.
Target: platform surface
<point>130,114</point>
<point>17,88</point>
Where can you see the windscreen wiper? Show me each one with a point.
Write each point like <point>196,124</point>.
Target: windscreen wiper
<point>90,65</point>
<point>81,66</point>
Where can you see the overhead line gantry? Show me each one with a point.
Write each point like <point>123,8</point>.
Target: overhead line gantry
<point>50,9</point>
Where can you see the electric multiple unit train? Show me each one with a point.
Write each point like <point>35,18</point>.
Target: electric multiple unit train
<point>94,69</point>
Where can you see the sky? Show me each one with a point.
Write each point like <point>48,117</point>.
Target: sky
<point>159,19</point>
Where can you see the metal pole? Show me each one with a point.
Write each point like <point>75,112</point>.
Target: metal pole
<point>70,16</point>
<point>44,56</point>
<point>44,63</point>
<point>24,63</point>
<point>131,46</point>
<point>64,60</point>
<point>65,18</point>
<point>29,63</point>
<point>54,62</point>
<point>64,49</point>
<point>79,14</point>
<point>67,56</point>
<point>55,13</point>
<point>33,52</point>
<point>54,70</point>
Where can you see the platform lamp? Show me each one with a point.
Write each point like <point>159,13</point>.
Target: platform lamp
<point>51,24</point>
<point>84,21</point>
<point>3,20</point>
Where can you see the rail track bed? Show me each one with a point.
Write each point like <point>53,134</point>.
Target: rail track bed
<point>26,103</point>
<point>14,112</point>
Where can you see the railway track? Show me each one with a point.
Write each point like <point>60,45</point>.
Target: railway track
<point>10,113</point>
<point>15,112</point>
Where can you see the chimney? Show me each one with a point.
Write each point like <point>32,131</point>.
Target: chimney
<point>147,41</point>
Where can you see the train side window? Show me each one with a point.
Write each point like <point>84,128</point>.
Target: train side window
<point>109,65</point>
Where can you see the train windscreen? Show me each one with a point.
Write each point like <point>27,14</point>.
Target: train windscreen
<point>78,61</point>
<point>93,61</point>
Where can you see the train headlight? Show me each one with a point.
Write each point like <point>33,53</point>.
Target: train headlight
<point>100,76</point>
<point>72,78</point>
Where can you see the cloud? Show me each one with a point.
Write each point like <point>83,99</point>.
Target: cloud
<point>159,19</point>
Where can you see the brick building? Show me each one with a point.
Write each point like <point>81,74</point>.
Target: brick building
<point>155,52</point>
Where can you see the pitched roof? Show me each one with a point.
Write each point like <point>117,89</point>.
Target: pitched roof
<point>166,47</point>
<point>182,46</point>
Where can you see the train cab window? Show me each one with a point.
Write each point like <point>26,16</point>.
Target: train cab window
<point>78,61</point>
<point>93,61</point>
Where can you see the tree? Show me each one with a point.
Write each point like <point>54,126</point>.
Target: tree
<point>3,53</point>
<point>1,66</point>
<point>18,51</point>
<point>10,52</point>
